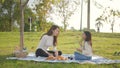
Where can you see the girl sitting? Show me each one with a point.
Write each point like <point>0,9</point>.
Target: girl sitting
<point>85,47</point>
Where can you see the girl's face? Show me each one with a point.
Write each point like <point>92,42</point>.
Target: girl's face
<point>56,32</point>
<point>83,36</point>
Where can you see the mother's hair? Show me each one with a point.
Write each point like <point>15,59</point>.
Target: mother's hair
<point>50,32</point>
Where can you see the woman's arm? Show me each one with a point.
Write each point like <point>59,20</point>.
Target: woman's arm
<point>43,43</point>
<point>49,54</point>
<point>55,50</point>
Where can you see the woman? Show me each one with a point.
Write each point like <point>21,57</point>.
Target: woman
<point>86,47</point>
<point>49,39</point>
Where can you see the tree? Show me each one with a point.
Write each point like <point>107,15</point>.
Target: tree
<point>7,14</point>
<point>110,15</point>
<point>28,14</point>
<point>88,16</point>
<point>81,15</point>
<point>1,2</point>
<point>22,6</point>
<point>88,11</point>
<point>99,23</point>
<point>43,8</point>
<point>63,9</point>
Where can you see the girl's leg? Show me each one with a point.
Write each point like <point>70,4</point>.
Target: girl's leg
<point>79,56</point>
<point>40,52</point>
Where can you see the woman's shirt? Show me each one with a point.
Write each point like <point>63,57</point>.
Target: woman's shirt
<point>86,49</point>
<point>46,42</point>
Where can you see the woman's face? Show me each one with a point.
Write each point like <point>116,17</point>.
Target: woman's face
<point>56,32</point>
<point>84,36</point>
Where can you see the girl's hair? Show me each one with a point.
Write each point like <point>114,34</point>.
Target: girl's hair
<point>50,32</point>
<point>88,37</point>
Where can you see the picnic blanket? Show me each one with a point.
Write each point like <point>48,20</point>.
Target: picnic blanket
<point>95,59</point>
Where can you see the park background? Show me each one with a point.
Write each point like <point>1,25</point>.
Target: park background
<point>39,15</point>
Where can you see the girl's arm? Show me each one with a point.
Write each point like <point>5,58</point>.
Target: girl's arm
<point>80,49</point>
<point>88,49</point>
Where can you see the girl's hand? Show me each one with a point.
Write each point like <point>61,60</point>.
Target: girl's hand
<point>81,41</point>
<point>78,49</point>
<point>80,44</point>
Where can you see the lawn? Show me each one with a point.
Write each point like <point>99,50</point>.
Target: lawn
<point>104,44</point>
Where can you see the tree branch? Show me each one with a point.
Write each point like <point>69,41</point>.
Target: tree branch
<point>25,3</point>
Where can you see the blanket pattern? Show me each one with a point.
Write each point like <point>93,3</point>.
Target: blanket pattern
<point>95,59</point>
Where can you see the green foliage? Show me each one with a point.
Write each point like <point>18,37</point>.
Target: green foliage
<point>47,26</point>
<point>10,12</point>
<point>6,15</point>
<point>99,23</point>
<point>109,16</point>
<point>27,14</point>
<point>91,30</point>
<point>43,8</point>
<point>2,1</point>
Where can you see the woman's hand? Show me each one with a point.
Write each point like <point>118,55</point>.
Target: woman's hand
<point>50,54</point>
<point>56,53</point>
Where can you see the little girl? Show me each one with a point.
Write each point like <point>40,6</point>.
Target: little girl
<point>86,47</point>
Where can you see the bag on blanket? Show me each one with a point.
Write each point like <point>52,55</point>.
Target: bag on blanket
<point>20,54</point>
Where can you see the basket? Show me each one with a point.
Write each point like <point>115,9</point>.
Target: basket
<point>21,54</point>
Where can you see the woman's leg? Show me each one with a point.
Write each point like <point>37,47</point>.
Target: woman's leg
<point>52,52</point>
<point>79,56</point>
<point>59,53</point>
<point>40,52</point>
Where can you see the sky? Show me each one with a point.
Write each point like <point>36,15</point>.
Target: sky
<point>74,21</point>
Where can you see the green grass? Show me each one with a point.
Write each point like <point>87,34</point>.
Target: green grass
<point>104,44</point>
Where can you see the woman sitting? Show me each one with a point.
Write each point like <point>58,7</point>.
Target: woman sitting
<point>49,39</point>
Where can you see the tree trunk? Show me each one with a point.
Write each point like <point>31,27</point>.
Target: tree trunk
<point>11,16</point>
<point>98,30</point>
<point>22,24</point>
<point>81,15</point>
<point>64,22</point>
<point>88,17</point>
<point>11,22</point>
<point>112,28</point>
<point>21,27</point>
